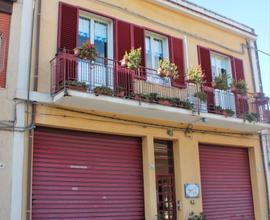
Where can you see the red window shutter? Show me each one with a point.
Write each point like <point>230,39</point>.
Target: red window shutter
<point>67,26</point>
<point>139,41</point>
<point>205,62</point>
<point>122,32</point>
<point>238,69</point>
<point>177,57</point>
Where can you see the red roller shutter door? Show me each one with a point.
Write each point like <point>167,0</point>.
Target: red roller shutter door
<point>226,183</point>
<point>79,175</point>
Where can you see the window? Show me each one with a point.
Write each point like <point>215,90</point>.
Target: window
<point>156,48</point>
<point>221,64</point>
<point>97,30</point>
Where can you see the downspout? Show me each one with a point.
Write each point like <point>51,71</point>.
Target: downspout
<point>266,171</point>
<point>37,6</point>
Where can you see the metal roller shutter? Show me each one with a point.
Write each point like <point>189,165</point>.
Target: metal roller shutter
<point>226,183</point>
<point>79,175</point>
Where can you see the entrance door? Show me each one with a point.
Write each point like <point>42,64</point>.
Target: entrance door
<point>164,163</point>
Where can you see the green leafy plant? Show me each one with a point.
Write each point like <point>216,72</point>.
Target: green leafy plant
<point>186,105</point>
<point>167,69</point>
<point>228,112</point>
<point>153,97</point>
<point>240,87</point>
<point>193,216</point>
<point>218,109</point>
<point>195,75</point>
<point>103,90</point>
<point>133,58</point>
<point>201,95</point>
<point>221,82</point>
<point>87,51</point>
<point>81,86</point>
<point>250,117</point>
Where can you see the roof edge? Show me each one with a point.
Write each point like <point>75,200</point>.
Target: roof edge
<point>207,15</point>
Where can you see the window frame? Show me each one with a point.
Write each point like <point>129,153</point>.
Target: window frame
<point>94,17</point>
<point>229,71</point>
<point>165,46</point>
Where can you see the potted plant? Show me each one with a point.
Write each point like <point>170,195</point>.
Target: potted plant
<point>221,82</point>
<point>228,112</point>
<point>218,109</point>
<point>186,105</point>
<point>239,87</point>
<point>120,91</point>
<point>76,85</point>
<point>153,97</point>
<point>195,75</point>
<point>132,59</point>
<point>86,51</point>
<point>250,117</point>
<point>202,96</point>
<point>103,90</point>
<point>167,69</point>
<point>193,216</point>
<point>164,101</point>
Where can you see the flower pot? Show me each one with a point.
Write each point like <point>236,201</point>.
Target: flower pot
<point>78,88</point>
<point>121,94</point>
<point>77,51</point>
<point>165,102</point>
<point>123,63</point>
<point>137,97</point>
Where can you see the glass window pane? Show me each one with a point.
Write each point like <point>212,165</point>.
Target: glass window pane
<point>84,30</point>
<point>158,51</point>
<point>101,38</point>
<point>148,52</point>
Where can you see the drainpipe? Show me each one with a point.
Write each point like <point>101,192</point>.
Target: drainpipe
<point>264,146</point>
<point>37,9</point>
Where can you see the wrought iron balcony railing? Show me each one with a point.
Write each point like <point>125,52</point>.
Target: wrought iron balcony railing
<point>108,77</point>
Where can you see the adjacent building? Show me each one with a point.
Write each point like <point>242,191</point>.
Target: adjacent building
<point>96,139</point>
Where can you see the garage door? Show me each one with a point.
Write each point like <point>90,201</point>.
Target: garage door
<point>226,184</point>
<point>79,175</point>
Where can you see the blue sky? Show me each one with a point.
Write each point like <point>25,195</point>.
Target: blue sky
<point>254,13</point>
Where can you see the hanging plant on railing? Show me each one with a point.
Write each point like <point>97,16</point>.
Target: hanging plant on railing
<point>86,51</point>
<point>221,82</point>
<point>132,60</point>
<point>167,69</point>
<point>195,75</point>
<point>239,87</point>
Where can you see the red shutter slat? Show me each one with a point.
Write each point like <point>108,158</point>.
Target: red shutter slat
<point>122,38</point>
<point>139,41</point>
<point>205,62</point>
<point>238,74</point>
<point>177,57</point>
<point>67,26</point>
<point>67,39</point>
<point>86,175</point>
<point>226,183</point>
<point>239,69</point>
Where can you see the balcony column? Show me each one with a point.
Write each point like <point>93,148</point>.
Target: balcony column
<point>150,200</point>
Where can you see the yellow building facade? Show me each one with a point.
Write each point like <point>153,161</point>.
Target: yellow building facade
<point>188,131</point>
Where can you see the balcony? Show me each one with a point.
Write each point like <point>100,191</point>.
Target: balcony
<point>113,88</point>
